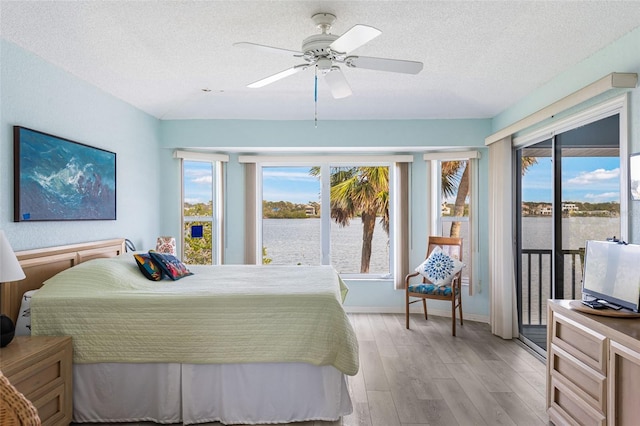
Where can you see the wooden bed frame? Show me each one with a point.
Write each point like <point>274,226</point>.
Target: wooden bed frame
<point>41,264</point>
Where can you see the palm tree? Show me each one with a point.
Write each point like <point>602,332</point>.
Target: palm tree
<point>455,181</point>
<point>526,162</point>
<point>364,192</point>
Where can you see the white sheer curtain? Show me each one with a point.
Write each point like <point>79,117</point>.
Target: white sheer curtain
<point>503,308</point>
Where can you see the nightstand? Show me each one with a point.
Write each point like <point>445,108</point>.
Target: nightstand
<point>40,367</point>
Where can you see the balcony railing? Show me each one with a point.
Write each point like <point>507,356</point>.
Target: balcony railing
<point>534,287</point>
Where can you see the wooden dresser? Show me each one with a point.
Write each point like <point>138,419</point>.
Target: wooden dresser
<point>593,367</point>
<point>40,367</point>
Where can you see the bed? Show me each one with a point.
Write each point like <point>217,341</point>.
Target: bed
<point>236,344</point>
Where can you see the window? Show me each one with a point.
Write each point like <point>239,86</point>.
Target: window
<point>201,208</point>
<point>453,180</point>
<point>327,213</point>
<point>360,225</point>
<point>290,216</point>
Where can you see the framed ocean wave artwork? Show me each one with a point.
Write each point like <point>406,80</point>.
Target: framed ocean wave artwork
<point>58,179</point>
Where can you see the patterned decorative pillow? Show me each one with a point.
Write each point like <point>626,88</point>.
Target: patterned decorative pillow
<point>148,266</point>
<point>439,268</point>
<point>170,265</point>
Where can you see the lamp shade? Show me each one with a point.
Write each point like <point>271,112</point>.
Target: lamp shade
<point>166,245</point>
<point>10,269</point>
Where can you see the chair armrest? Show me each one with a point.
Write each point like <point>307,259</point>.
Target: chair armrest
<point>408,277</point>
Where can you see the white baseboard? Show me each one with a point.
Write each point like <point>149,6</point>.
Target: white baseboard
<point>413,310</point>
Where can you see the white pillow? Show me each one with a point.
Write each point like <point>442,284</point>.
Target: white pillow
<point>23,324</point>
<point>439,268</point>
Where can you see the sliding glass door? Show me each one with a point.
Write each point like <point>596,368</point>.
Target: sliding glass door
<point>535,237</point>
<point>567,192</point>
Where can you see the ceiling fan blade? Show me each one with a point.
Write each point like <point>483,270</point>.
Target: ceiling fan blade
<point>355,37</point>
<point>269,49</point>
<point>279,76</point>
<point>337,83</point>
<point>383,64</point>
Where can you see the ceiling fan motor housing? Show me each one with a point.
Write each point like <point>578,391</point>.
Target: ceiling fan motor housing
<point>317,46</point>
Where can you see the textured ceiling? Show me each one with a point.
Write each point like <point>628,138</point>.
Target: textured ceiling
<point>479,57</point>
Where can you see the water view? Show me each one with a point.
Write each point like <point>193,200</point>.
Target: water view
<point>297,241</point>
<point>293,241</point>
<point>576,230</point>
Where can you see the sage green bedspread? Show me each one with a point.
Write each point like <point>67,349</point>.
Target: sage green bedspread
<point>222,314</point>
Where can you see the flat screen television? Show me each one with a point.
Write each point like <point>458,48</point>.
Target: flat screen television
<point>612,273</point>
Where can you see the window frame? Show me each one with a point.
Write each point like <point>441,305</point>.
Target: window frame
<point>615,105</point>
<point>435,160</point>
<point>325,163</point>
<point>217,197</point>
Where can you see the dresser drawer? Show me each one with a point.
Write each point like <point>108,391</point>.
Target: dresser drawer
<point>51,406</point>
<point>568,408</point>
<point>40,377</point>
<point>40,368</point>
<point>579,377</point>
<point>584,344</point>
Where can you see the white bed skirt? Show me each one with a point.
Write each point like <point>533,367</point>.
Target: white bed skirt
<point>199,393</point>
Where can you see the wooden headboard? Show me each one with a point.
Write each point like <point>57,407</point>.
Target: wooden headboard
<point>41,264</point>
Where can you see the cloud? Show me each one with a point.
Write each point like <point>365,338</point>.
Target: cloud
<point>596,176</point>
<point>613,196</point>
<point>295,176</point>
<point>203,179</point>
<point>198,176</point>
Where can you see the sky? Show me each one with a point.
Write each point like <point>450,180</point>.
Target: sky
<point>198,182</point>
<point>293,184</point>
<point>584,179</point>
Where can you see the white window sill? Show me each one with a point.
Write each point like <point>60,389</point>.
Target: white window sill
<point>367,277</point>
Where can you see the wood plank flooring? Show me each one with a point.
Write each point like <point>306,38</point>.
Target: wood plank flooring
<point>424,376</point>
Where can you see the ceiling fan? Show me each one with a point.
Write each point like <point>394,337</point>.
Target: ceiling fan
<point>326,50</point>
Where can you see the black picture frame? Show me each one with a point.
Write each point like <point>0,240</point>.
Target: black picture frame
<point>57,179</point>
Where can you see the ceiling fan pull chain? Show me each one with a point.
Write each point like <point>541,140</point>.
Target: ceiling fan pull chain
<point>315,97</point>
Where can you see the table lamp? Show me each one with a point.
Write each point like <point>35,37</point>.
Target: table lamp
<point>10,270</point>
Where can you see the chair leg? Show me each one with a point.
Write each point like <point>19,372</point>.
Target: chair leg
<point>460,308</point>
<point>424,306</point>
<point>407,308</point>
<point>453,317</point>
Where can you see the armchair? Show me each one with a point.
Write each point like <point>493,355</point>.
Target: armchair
<point>443,264</point>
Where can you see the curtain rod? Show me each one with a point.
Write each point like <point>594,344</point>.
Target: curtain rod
<point>614,80</point>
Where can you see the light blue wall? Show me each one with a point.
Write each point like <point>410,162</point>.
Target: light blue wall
<point>40,96</point>
<point>621,56</point>
<point>252,136</point>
